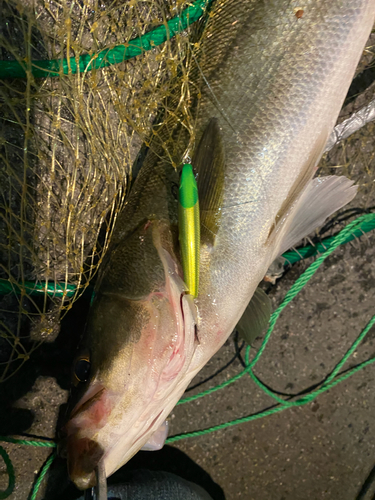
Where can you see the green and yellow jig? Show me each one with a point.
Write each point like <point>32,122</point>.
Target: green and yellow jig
<point>189,228</point>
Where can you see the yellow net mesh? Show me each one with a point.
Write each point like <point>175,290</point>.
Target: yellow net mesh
<point>69,144</point>
<point>67,147</point>
<point>355,157</point>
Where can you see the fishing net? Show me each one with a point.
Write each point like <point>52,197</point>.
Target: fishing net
<point>355,157</point>
<point>70,132</point>
<point>77,114</point>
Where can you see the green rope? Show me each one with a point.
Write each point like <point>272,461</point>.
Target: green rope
<point>10,470</point>
<point>42,473</point>
<point>293,256</point>
<point>272,411</point>
<point>50,288</point>
<point>338,240</point>
<point>285,404</point>
<point>42,444</point>
<point>108,56</point>
<point>282,404</point>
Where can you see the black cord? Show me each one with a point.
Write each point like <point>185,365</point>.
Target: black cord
<point>366,485</point>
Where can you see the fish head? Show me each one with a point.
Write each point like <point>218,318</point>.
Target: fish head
<point>135,356</point>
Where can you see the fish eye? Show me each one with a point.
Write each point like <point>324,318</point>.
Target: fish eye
<point>82,369</point>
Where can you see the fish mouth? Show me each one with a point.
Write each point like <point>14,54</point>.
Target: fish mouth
<point>84,455</point>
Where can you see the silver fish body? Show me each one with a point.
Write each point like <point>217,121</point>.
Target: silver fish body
<point>275,83</point>
<point>279,92</point>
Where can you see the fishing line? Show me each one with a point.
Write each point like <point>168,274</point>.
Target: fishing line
<point>351,231</point>
<point>219,106</point>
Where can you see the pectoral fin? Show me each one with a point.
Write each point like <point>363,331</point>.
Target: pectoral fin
<point>322,197</point>
<point>209,162</point>
<point>256,316</point>
<point>157,440</point>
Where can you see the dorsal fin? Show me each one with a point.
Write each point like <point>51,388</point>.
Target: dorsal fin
<point>209,162</point>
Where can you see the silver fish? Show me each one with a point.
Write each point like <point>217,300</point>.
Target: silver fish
<point>272,82</point>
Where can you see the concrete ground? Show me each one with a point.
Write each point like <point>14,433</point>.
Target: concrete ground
<point>323,450</point>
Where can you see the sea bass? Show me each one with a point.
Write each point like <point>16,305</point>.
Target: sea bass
<point>272,75</point>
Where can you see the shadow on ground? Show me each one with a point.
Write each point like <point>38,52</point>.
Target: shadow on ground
<point>49,360</point>
<point>168,459</point>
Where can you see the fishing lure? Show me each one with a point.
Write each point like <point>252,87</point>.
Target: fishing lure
<point>189,228</point>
